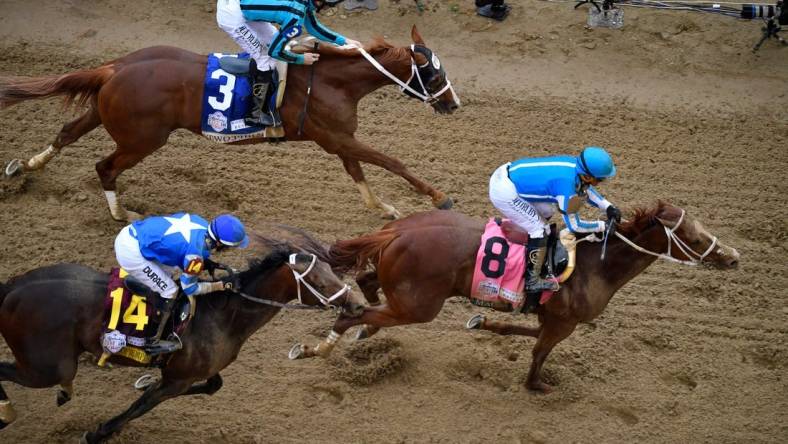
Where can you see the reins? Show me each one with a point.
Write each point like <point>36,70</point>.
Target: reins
<point>310,80</point>
<point>425,96</point>
<point>695,258</point>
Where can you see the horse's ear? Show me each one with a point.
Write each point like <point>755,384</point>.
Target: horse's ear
<point>416,37</point>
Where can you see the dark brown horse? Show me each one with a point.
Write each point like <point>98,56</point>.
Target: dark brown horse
<point>145,96</point>
<point>51,315</point>
<point>423,259</point>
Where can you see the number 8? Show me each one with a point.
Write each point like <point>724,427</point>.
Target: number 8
<point>499,258</point>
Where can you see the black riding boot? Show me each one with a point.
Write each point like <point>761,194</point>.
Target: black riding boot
<point>259,114</point>
<point>537,247</point>
<point>161,313</point>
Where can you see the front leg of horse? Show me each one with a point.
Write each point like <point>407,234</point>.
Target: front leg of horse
<point>553,332</point>
<point>324,348</point>
<point>153,396</point>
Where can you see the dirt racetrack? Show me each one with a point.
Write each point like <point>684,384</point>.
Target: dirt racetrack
<point>680,355</point>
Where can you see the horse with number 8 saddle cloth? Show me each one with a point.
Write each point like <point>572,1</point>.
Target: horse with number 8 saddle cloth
<point>499,273</point>
<point>127,311</point>
<point>228,96</point>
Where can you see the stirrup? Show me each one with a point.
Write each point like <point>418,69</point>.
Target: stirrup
<point>162,346</point>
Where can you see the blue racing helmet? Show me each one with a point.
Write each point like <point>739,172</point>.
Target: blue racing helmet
<point>228,230</point>
<point>595,162</point>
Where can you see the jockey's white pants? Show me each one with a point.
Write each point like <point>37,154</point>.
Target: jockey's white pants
<point>253,37</point>
<point>156,276</point>
<point>531,217</point>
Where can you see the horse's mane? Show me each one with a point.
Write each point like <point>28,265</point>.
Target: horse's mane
<point>376,46</point>
<point>273,252</point>
<point>642,218</point>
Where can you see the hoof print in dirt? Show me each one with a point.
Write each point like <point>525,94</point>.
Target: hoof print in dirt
<point>368,362</point>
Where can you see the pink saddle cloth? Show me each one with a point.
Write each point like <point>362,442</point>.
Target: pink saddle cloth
<point>499,270</point>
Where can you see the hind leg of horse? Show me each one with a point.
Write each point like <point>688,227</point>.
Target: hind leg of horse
<point>553,332</point>
<point>353,167</point>
<point>352,149</point>
<point>153,396</point>
<point>70,133</point>
<point>480,322</point>
<point>209,387</point>
<point>63,373</point>
<point>108,169</point>
<point>369,285</point>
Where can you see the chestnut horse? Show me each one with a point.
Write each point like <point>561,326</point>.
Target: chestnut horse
<point>423,259</point>
<point>51,315</point>
<point>145,96</point>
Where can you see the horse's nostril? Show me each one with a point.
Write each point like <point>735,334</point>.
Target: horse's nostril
<point>734,263</point>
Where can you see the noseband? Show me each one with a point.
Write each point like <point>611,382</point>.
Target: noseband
<point>694,257</point>
<point>299,277</point>
<point>415,77</point>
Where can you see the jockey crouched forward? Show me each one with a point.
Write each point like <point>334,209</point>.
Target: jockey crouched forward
<point>251,24</point>
<point>151,249</point>
<point>527,190</point>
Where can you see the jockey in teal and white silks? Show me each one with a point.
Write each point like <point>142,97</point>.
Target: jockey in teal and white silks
<point>527,191</point>
<point>150,250</point>
<point>251,24</point>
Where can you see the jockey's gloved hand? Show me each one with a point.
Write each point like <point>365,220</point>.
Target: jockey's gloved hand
<point>230,283</point>
<point>613,213</point>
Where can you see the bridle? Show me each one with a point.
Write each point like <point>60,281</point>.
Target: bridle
<point>694,257</point>
<point>299,277</point>
<point>415,77</point>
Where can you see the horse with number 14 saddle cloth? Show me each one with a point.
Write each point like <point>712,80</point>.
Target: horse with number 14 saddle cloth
<point>499,273</point>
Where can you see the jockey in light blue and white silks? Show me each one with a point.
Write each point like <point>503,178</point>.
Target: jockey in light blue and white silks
<point>251,24</point>
<point>528,190</point>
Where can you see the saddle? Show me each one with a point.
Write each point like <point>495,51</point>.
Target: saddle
<point>557,256</point>
<point>128,306</point>
<point>276,93</point>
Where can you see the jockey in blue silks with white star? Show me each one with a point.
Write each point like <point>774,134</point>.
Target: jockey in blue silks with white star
<point>151,249</point>
<point>527,190</point>
<point>251,24</point>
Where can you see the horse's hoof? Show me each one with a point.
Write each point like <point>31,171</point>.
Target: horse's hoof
<point>3,425</point>
<point>13,168</point>
<point>145,381</point>
<point>362,334</point>
<point>540,387</point>
<point>446,204</point>
<point>475,323</point>
<point>85,438</point>
<point>297,352</point>
<point>62,398</point>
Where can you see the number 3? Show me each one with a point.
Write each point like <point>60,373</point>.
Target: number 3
<point>226,90</point>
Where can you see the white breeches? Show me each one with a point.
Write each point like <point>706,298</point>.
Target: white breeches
<point>531,217</point>
<point>252,37</point>
<point>156,276</point>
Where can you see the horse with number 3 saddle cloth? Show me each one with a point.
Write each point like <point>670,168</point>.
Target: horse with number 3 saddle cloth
<point>228,96</point>
<point>127,311</point>
<point>499,273</point>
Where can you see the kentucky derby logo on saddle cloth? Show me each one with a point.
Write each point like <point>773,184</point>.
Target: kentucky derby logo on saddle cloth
<point>126,320</point>
<point>500,267</point>
<point>226,99</point>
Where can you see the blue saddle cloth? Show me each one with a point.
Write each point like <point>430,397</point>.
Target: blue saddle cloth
<point>225,102</point>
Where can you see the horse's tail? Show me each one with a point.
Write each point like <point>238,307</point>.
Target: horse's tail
<point>79,87</point>
<point>355,254</point>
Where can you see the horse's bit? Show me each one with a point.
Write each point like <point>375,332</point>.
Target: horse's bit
<point>425,96</point>
<point>694,257</point>
<point>327,301</point>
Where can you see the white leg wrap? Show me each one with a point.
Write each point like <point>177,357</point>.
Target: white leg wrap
<point>39,160</point>
<point>332,338</point>
<point>7,412</point>
<point>112,200</point>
